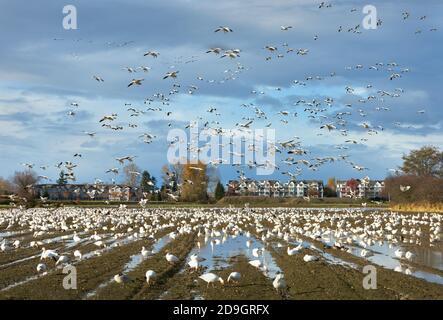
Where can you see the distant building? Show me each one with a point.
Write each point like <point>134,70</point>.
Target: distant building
<point>274,188</point>
<point>76,192</point>
<point>360,188</point>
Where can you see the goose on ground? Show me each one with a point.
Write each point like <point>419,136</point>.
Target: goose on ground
<point>309,258</point>
<point>171,258</point>
<point>211,278</point>
<point>234,276</point>
<point>49,254</point>
<point>41,267</point>
<point>78,254</point>
<point>279,283</point>
<point>150,275</point>
<point>121,278</point>
<point>294,251</point>
<point>62,260</point>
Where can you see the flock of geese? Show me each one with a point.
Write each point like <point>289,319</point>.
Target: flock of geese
<point>331,116</point>
<point>291,230</point>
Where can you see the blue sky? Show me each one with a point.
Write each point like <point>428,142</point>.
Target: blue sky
<point>44,68</point>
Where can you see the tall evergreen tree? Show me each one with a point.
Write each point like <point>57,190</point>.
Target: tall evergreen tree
<point>62,179</point>
<point>219,191</point>
<point>147,183</point>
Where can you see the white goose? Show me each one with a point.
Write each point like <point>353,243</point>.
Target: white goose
<point>294,251</point>
<point>49,254</point>
<point>144,252</point>
<point>41,267</point>
<point>234,276</point>
<point>399,253</point>
<point>121,278</point>
<point>211,278</point>
<point>171,258</point>
<point>309,258</point>
<point>62,260</point>
<point>409,255</point>
<point>255,263</point>
<point>279,283</point>
<point>76,238</point>
<point>150,275</point>
<point>78,254</point>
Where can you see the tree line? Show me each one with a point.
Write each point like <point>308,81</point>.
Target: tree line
<point>180,182</point>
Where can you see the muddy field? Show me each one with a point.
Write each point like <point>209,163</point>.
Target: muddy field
<point>405,248</point>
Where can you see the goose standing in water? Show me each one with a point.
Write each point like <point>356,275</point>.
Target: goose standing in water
<point>76,238</point>
<point>256,263</point>
<point>399,253</point>
<point>144,253</point>
<point>409,255</point>
<point>366,253</point>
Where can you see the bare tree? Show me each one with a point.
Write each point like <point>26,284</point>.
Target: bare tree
<point>23,181</point>
<point>132,175</point>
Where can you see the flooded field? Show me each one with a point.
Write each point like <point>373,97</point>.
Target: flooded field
<point>269,253</point>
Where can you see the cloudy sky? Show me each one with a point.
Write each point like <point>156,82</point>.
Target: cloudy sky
<point>45,69</point>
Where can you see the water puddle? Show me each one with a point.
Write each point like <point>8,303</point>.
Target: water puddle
<point>7,234</point>
<point>383,254</point>
<point>217,251</point>
<point>134,261</point>
<point>329,258</point>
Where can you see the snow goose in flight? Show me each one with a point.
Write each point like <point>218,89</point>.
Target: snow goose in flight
<point>135,82</point>
<point>97,78</point>
<point>91,134</point>
<point>224,29</point>
<point>172,74</point>
<point>152,54</point>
